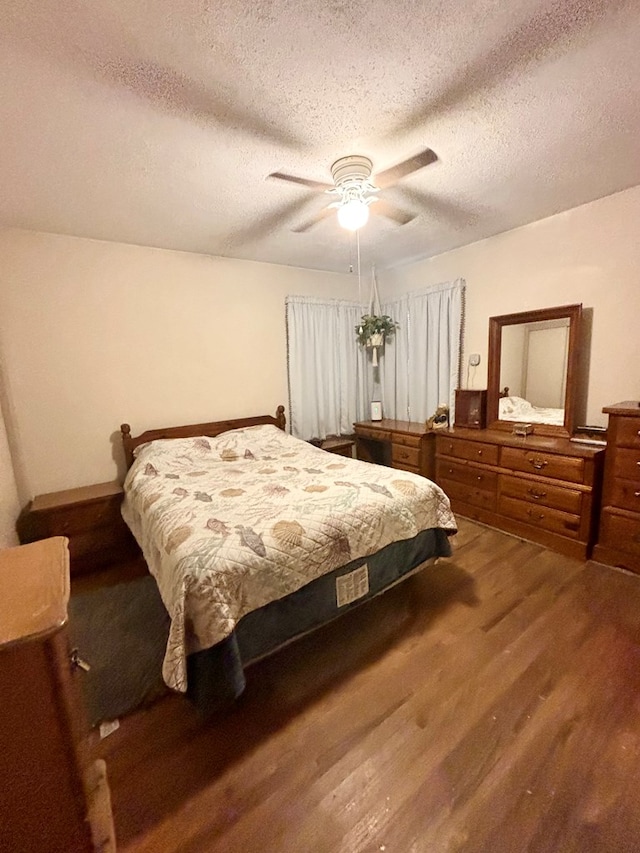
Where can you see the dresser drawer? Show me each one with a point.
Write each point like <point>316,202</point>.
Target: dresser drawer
<point>620,532</point>
<point>477,451</point>
<point>543,517</point>
<point>625,494</point>
<point>469,494</point>
<point>405,455</point>
<point>627,432</point>
<point>375,434</point>
<point>76,518</point>
<point>547,464</point>
<point>556,497</point>
<point>625,463</point>
<point>462,472</point>
<point>406,439</point>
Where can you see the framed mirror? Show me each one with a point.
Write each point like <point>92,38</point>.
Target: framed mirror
<point>533,369</point>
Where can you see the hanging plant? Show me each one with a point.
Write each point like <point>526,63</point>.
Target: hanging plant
<point>372,332</point>
<point>373,329</point>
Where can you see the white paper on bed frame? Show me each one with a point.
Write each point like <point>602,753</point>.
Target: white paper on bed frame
<point>352,586</point>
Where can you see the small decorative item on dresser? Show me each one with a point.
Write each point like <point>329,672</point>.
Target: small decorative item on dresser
<point>439,419</point>
<point>471,408</point>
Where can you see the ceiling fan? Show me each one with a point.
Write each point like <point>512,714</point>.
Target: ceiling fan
<point>356,189</point>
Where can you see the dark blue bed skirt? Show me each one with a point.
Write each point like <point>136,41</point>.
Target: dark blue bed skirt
<point>216,676</point>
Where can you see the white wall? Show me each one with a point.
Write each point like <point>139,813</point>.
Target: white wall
<point>95,334</point>
<point>590,254</point>
<point>9,505</point>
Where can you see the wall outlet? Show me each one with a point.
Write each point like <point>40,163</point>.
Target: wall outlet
<point>474,359</point>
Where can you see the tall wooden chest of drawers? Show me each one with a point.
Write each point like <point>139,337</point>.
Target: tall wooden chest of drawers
<point>619,539</point>
<point>541,488</point>
<point>53,798</point>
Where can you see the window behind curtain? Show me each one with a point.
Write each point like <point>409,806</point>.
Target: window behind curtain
<point>332,381</point>
<point>421,365</point>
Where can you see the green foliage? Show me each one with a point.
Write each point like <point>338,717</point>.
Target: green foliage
<point>372,324</point>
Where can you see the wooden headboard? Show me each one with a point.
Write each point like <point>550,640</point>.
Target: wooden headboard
<point>130,442</point>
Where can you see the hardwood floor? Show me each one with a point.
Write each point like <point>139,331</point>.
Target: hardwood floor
<point>490,704</point>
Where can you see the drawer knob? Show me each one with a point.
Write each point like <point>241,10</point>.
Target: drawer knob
<point>538,463</point>
<point>79,663</point>
<point>532,514</point>
<point>636,494</point>
<point>480,453</point>
<point>535,494</point>
<point>480,477</point>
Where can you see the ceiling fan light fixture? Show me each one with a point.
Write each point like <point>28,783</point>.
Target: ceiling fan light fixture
<point>353,214</point>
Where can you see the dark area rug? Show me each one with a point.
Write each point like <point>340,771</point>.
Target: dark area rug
<point>121,631</point>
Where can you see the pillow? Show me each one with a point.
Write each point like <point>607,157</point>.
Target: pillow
<point>514,406</point>
<point>257,442</point>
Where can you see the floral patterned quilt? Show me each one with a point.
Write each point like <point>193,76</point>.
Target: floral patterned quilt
<point>231,523</point>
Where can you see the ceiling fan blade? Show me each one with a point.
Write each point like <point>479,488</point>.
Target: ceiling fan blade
<point>390,211</point>
<point>547,33</point>
<point>305,182</point>
<point>441,208</point>
<point>395,173</point>
<point>314,220</point>
<point>261,228</point>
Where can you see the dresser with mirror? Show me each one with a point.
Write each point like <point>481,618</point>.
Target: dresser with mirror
<point>523,474</point>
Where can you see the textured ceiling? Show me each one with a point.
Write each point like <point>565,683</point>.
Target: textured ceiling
<point>157,122</point>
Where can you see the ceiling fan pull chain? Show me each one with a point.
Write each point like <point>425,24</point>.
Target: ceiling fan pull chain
<point>374,303</point>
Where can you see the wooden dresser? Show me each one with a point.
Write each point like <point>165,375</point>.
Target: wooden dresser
<point>53,799</point>
<point>619,539</point>
<point>400,444</point>
<point>544,489</point>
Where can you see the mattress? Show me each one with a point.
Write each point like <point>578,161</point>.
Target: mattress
<point>216,676</point>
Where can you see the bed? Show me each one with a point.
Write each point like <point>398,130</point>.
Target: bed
<point>255,537</point>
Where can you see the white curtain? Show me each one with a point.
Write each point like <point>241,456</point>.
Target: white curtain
<point>330,382</point>
<point>421,364</point>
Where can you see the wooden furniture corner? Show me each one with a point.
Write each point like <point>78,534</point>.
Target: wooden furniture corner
<point>406,445</point>
<point>338,445</point>
<point>619,539</point>
<point>53,797</point>
<point>89,516</point>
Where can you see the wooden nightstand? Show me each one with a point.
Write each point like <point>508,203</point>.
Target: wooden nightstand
<point>89,517</point>
<point>340,446</point>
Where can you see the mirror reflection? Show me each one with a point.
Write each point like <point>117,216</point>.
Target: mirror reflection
<point>533,371</point>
